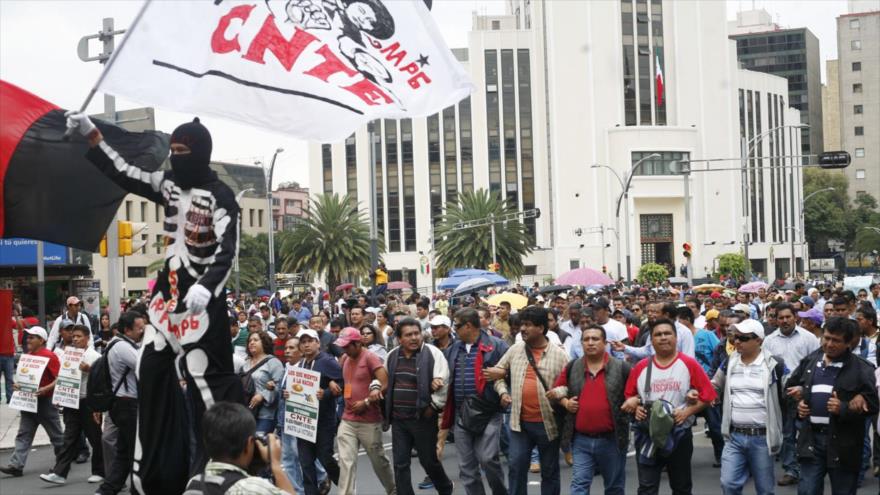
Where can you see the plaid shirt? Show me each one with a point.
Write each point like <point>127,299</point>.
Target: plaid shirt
<point>516,362</point>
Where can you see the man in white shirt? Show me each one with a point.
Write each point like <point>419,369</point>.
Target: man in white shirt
<point>73,314</point>
<point>615,331</point>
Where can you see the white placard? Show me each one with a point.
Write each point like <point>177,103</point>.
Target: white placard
<point>27,377</point>
<point>301,406</point>
<point>69,378</point>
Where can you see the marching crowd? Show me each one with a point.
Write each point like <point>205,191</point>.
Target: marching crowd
<point>587,376</point>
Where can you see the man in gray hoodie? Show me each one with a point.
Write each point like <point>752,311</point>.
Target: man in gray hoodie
<point>750,387</point>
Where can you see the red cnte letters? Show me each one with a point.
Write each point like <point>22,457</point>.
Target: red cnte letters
<point>219,42</point>
<point>331,65</point>
<point>286,51</point>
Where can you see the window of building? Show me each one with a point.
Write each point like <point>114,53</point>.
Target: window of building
<point>857,109</point>
<point>854,24</point>
<point>450,154</point>
<point>855,44</point>
<point>393,171</point>
<point>145,238</point>
<point>857,88</point>
<point>530,269</point>
<point>666,164</point>
<point>574,264</point>
<point>493,123</point>
<point>128,210</point>
<point>860,174</point>
<point>496,25</point>
<point>525,136</point>
<point>434,172</point>
<point>160,243</point>
<point>351,169</point>
<point>409,186</point>
<point>467,148</point>
<point>860,152</point>
<point>376,128</point>
<point>859,130</point>
<point>251,217</point>
<point>856,66</point>
<point>642,43</point>
<point>260,218</point>
<point>158,212</point>
<point>137,272</point>
<point>508,105</point>
<point>327,168</point>
<point>143,211</point>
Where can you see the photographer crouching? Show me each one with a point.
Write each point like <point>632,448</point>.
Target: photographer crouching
<point>231,440</point>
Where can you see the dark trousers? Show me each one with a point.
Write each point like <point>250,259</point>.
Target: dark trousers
<point>713,424</point>
<point>813,471</point>
<point>420,434</point>
<point>321,450</point>
<point>522,442</point>
<point>678,466</point>
<point>124,415</point>
<point>76,423</point>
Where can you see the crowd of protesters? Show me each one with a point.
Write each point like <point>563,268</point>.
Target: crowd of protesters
<point>586,376</point>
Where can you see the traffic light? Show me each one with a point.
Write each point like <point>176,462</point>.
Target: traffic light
<point>687,249</point>
<point>126,233</point>
<point>834,159</point>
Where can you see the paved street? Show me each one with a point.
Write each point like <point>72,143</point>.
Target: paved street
<point>705,476</point>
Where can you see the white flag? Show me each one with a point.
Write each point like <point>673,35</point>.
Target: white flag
<point>313,69</point>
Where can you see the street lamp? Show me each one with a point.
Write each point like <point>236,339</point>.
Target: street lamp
<point>746,148</point>
<point>624,196</point>
<point>237,272</point>
<point>805,252</point>
<point>271,222</point>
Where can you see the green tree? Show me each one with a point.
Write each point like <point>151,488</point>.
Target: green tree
<point>473,247</point>
<point>653,273</point>
<point>252,262</point>
<point>732,265</point>
<point>826,213</point>
<point>333,241</point>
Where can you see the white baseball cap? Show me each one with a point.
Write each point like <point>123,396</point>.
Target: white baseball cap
<point>744,308</point>
<point>308,332</point>
<point>38,331</point>
<point>440,321</point>
<point>750,326</point>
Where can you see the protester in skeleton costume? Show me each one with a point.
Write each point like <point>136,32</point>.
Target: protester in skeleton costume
<point>187,307</point>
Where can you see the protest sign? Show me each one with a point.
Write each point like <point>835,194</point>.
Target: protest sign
<point>69,379</point>
<point>27,377</point>
<point>301,406</point>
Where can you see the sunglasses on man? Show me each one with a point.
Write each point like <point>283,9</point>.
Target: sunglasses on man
<point>745,337</point>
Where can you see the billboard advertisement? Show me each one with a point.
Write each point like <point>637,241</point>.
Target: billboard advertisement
<point>16,251</point>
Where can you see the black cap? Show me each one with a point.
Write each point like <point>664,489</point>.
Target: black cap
<point>600,303</point>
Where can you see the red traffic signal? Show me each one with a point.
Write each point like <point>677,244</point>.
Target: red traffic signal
<point>687,249</point>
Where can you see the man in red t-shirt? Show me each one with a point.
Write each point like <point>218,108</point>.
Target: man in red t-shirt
<point>46,415</point>
<point>673,375</point>
<point>362,420</point>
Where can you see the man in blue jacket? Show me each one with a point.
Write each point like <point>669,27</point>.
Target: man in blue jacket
<point>474,351</point>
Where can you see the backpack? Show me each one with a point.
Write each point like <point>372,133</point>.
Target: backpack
<point>101,394</point>
<point>214,484</point>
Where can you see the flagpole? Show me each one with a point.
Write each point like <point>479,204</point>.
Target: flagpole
<point>109,63</point>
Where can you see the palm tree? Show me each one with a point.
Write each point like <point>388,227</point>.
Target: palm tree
<point>473,247</point>
<point>333,241</point>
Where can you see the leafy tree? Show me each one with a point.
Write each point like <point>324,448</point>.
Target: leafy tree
<point>473,247</point>
<point>333,241</point>
<point>653,273</point>
<point>252,262</point>
<point>732,265</point>
<point>826,213</point>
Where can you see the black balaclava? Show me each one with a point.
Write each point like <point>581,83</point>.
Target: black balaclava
<point>192,169</point>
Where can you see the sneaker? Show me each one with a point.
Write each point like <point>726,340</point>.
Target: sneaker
<point>426,484</point>
<point>82,458</point>
<point>95,478</point>
<point>53,478</point>
<point>12,471</point>
<point>787,480</point>
<point>324,488</point>
<point>535,468</point>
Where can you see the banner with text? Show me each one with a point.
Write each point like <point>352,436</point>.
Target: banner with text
<point>69,378</point>
<point>301,406</point>
<point>27,377</point>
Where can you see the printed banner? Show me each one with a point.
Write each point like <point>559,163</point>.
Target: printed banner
<point>69,379</point>
<point>312,69</point>
<point>27,377</point>
<point>301,406</point>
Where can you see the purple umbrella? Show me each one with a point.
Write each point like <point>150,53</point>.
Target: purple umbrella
<point>753,287</point>
<point>583,277</point>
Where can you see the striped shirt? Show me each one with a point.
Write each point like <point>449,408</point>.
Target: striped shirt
<point>747,400</point>
<point>792,348</point>
<point>406,391</point>
<point>823,385</point>
<point>465,385</point>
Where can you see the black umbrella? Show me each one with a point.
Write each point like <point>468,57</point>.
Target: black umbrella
<point>554,288</point>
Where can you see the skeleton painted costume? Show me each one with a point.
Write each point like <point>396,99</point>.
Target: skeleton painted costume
<point>200,226</point>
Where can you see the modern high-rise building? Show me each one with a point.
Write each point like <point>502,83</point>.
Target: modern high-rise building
<point>858,52</point>
<point>763,46</point>
<point>831,107</point>
<point>565,104</point>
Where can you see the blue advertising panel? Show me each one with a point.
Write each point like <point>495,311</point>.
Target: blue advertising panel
<point>16,251</point>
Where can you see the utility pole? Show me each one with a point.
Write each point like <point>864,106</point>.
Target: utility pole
<point>114,270</point>
<point>686,174</point>
<point>374,228</point>
<point>744,151</point>
<point>236,266</point>
<point>271,222</point>
<point>41,284</point>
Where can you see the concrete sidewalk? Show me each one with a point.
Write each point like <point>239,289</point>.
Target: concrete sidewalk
<point>9,429</point>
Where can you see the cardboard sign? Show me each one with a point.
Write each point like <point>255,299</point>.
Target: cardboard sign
<point>301,406</point>
<point>69,378</point>
<point>27,377</point>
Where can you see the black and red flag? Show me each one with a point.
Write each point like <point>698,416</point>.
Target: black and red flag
<point>49,191</point>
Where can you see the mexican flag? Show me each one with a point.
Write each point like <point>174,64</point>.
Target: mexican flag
<point>659,78</point>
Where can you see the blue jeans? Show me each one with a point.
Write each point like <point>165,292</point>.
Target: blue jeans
<point>7,368</point>
<point>521,444</point>
<point>597,453</point>
<point>265,425</point>
<point>789,440</point>
<point>290,462</point>
<point>813,471</point>
<point>744,456</point>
